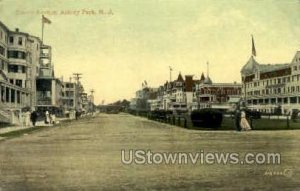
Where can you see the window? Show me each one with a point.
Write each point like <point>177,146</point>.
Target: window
<point>16,54</point>
<point>295,68</point>
<point>2,64</point>
<point>13,69</point>
<point>292,89</point>
<point>2,51</point>
<point>69,85</point>
<point>11,39</point>
<point>279,90</point>
<point>20,41</point>
<point>23,69</point>
<point>19,83</point>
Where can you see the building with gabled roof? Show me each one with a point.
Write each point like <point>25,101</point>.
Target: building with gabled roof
<point>269,87</point>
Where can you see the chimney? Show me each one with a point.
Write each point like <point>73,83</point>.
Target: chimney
<point>17,29</point>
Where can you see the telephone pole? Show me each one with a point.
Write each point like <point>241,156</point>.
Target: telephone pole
<point>92,100</point>
<point>77,77</point>
<point>171,69</point>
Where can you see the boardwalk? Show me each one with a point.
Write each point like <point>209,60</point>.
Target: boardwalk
<point>86,155</point>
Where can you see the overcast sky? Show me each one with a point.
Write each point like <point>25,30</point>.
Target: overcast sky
<point>141,39</point>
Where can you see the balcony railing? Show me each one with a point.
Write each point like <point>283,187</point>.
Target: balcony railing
<point>45,55</point>
<point>44,102</point>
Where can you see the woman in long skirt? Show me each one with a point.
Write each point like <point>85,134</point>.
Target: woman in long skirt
<point>244,123</point>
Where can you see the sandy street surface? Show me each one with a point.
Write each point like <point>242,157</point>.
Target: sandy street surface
<point>86,155</point>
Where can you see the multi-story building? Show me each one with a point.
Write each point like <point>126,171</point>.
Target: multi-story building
<point>49,89</point>
<point>27,76</point>
<point>185,95</point>
<point>69,98</point>
<point>16,50</point>
<point>269,87</point>
<point>216,95</point>
<point>141,102</point>
<point>178,95</point>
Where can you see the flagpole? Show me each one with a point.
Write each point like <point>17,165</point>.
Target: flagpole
<point>42,29</point>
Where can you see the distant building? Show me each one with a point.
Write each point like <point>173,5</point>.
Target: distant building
<point>269,87</point>
<point>69,95</point>
<point>215,95</point>
<point>178,95</point>
<point>49,89</point>
<point>141,102</point>
<point>187,94</point>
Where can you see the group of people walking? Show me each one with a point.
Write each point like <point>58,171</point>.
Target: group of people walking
<point>29,118</point>
<point>50,118</point>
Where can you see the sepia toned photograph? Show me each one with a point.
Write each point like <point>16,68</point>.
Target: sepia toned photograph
<point>150,95</point>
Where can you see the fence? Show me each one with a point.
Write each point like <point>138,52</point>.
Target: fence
<point>264,123</point>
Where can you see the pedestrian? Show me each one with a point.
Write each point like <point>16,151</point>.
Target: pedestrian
<point>47,117</point>
<point>53,118</point>
<point>27,118</point>
<point>237,118</point>
<point>33,117</point>
<point>244,123</point>
<point>76,114</point>
<point>21,118</point>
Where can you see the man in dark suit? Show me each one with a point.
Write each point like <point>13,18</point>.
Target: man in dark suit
<point>237,118</point>
<point>33,117</point>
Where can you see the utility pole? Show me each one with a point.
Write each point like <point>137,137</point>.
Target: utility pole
<point>70,96</point>
<point>77,77</point>
<point>171,69</point>
<point>92,94</point>
<point>92,99</point>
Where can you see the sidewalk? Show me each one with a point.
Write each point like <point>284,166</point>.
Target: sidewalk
<point>18,127</point>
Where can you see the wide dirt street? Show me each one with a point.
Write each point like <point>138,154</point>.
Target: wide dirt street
<point>86,155</point>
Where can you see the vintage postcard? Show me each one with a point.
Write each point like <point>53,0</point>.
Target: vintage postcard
<point>150,95</point>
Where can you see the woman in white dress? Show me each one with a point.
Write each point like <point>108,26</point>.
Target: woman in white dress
<point>244,123</point>
<point>27,118</point>
<point>47,117</point>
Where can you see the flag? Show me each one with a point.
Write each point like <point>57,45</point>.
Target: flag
<point>45,20</point>
<point>253,47</point>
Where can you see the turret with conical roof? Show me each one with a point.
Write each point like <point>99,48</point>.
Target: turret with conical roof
<point>180,78</point>
<point>250,66</point>
<point>202,77</point>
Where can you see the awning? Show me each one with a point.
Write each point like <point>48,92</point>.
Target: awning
<point>234,100</point>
